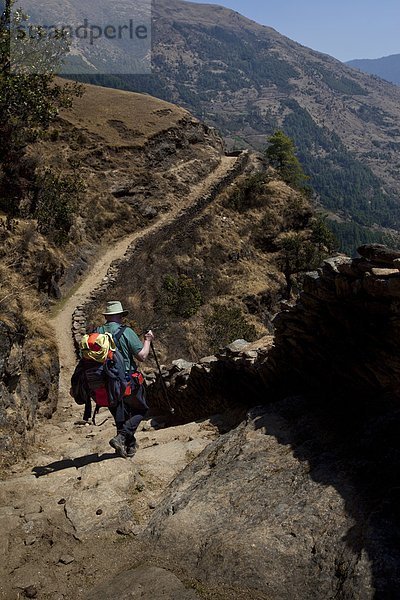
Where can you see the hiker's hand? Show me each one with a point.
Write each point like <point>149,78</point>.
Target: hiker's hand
<point>149,336</point>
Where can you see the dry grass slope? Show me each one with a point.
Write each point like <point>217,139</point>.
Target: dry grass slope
<point>212,278</point>
<point>122,119</point>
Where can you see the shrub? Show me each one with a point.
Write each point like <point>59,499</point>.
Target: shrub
<point>226,324</point>
<point>249,193</point>
<point>56,203</point>
<point>304,251</point>
<point>29,101</point>
<point>181,295</point>
<point>295,215</point>
<point>322,236</point>
<point>270,227</point>
<point>281,154</point>
<point>54,135</point>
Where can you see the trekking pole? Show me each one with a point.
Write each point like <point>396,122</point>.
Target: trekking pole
<point>163,386</point>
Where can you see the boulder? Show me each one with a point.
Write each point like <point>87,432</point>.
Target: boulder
<point>182,364</point>
<point>246,514</point>
<point>378,254</point>
<point>385,272</point>
<point>237,347</point>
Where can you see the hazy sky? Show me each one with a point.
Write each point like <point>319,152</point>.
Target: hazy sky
<point>345,29</point>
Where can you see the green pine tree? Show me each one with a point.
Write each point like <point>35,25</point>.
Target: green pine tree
<point>281,154</point>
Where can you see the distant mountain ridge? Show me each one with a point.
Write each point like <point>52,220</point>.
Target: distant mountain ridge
<point>387,67</point>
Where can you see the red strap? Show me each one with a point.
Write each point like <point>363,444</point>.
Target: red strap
<point>139,377</point>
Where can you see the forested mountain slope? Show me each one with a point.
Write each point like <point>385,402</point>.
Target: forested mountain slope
<point>248,80</point>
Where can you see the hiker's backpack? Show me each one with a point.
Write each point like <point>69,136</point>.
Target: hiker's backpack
<point>100,373</point>
<point>135,392</point>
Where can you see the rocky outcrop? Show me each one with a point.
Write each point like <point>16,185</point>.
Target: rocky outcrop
<point>163,148</point>
<point>247,515</point>
<point>28,387</point>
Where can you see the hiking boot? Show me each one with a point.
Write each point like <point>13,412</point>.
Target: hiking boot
<point>119,445</point>
<point>131,449</point>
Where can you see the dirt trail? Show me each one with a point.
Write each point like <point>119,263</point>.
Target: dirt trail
<point>63,510</point>
<point>63,319</point>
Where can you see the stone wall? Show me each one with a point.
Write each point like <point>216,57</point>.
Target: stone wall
<point>216,384</point>
<point>342,334</point>
<point>340,338</point>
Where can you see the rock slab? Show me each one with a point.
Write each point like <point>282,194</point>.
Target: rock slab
<point>146,583</point>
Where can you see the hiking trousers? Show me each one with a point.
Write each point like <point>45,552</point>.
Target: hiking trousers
<point>133,416</point>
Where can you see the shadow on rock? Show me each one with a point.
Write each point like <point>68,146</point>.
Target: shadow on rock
<point>300,501</point>
<point>355,450</point>
<point>67,463</point>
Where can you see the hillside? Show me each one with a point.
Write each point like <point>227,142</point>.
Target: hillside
<point>247,80</point>
<point>218,274</point>
<point>275,476</point>
<point>387,67</point>
<point>137,159</point>
<point>210,244</point>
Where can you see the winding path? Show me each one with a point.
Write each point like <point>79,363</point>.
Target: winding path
<point>62,320</point>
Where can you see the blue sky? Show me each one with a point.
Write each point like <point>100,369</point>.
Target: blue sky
<point>345,29</point>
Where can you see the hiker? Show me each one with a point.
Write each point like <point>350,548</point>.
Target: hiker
<point>132,350</point>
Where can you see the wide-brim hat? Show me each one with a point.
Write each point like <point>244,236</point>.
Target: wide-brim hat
<point>113,307</point>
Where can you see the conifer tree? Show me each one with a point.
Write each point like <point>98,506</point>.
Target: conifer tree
<point>281,154</point>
